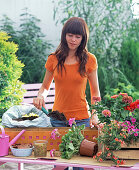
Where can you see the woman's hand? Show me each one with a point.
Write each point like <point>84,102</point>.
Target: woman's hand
<point>94,120</point>
<point>39,102</point>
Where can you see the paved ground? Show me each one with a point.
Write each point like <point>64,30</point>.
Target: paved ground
<point>14,166</point>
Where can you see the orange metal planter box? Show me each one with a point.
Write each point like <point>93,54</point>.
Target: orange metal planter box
<point>33,134</point>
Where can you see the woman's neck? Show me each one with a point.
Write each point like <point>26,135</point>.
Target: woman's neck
<point>71,58</point>
<point>72,53</point>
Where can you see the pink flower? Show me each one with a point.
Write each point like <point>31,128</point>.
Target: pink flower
<point>128,129</point>
<point>123,94</point>
<point>54,134</point>
<point>132,127</point>
<point>94,137</point>
<point>99,153</point>
<point>94,157</point>
<point>109,154</point>
<point>128,122</point>
<point>127,99</point>
<point>52,152</point>
<point>100,159</point>
<point>133,120</point>
<point>71,121</point>
<point>101,125</point>
<point>116,139</point>
<point>96,99</point>
<point>106,113</point>
<point>135,134</point>
<point>122,142</point>
<point>133,130</point>
<point>114,96</point>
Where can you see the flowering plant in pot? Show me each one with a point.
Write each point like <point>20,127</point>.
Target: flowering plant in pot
<point>118,124</point>
<point>73,141</point>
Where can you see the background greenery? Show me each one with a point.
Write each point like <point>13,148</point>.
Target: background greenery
<point>114,39</point>
<point>33,47</point>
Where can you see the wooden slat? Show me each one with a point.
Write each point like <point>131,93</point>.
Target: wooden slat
<point>30,99</point>
<point>51,92</point>
<point>127,154</point>
<point>52,85</point>
<point>48,105</point>
<point>32,91</point>
<point>35,93</point>
<point>133,145</point>
<point>36,86</point>
<point>32,86</point>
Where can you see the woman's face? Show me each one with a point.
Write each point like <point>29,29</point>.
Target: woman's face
<point>73,40</point>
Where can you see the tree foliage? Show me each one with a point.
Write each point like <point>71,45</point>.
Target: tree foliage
<point>33,48</point>
<point>11,92</point>
<point>129,60</point>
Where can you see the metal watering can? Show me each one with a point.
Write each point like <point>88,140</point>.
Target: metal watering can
<point>4,142</point>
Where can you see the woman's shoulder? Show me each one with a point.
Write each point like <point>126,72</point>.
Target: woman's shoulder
<point>52,56</point>
<point>51,62</point>
<point>91,62</point>
<point>91,56</point>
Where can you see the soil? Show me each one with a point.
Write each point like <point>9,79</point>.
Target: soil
<point>22,146</point>
<point>57,115</point>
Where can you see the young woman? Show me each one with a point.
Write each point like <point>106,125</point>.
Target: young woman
<point>70,66</point>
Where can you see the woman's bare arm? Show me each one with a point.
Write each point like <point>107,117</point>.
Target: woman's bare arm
<point>95,92</point>
<point>43,91</point>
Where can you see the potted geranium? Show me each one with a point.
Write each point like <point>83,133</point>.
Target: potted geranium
<point>73,142</point>
<point>118,124</point>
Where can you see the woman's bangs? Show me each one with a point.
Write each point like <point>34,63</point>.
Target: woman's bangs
<point>75,28</point>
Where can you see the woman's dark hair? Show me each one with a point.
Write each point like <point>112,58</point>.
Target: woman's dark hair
<point>74,25</point>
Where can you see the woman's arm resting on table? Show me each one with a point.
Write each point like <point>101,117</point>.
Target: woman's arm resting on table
<point>43,91</point>
<point>94,88</point>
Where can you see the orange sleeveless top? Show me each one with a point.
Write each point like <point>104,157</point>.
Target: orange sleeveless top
<point>70,88</point>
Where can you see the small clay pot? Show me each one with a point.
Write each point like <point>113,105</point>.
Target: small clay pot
<point>88,148</point>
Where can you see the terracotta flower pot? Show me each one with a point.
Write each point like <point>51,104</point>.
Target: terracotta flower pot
<point>88,148</point>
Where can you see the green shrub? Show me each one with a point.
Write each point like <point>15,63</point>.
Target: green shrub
<point>11,92</point>
<point>33,49</point>
<point>123,88</point>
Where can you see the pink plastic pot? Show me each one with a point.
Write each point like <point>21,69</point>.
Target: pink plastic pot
<point>4,142</point>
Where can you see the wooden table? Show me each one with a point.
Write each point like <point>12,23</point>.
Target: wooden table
<point>76,161</point>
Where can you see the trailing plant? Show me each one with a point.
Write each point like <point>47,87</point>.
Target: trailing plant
<point>70,141</point>
<point>11,92</point>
